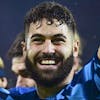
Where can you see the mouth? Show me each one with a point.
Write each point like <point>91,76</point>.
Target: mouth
<point>48,64</point>
<point>48,61</point>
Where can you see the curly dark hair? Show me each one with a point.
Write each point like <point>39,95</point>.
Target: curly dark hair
<point>50,11</point>
<point>16,47</point>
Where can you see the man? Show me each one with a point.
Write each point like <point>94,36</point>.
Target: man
<point>50,49</point>
<point>18,63</point>
<point>4,94</point>
<point>3,79</point>
<point>24,82</point>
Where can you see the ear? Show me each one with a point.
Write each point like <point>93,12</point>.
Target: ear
<point>76,48</point>
<point>23,47</point>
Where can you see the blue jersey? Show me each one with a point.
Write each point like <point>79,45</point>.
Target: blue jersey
<point>84,86</point>
<point>20,90</point>
<point>5,94</point>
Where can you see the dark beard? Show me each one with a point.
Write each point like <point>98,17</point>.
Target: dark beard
<point>58,76</point>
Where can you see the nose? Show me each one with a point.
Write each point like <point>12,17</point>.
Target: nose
<point>48,47</point>
<point>19,81</point>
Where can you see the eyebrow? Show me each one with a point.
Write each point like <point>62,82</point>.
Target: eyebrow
<point>59,35</point>
<point>36,35</point>
<point>54,36</point>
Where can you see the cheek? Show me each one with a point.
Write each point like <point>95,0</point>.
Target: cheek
<point>65,50</point>
<point>32,51</point>
<point>69,48</point>
<point>31,54</point>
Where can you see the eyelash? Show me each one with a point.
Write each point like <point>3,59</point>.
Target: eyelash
<point>58,40</point>
<point>54,41</point>
<point>38,40</point>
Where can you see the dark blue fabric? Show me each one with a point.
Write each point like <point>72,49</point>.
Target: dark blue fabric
<point>20,90</point>
<point>84,86</point>
<point>2,73</point>
<point>5,94</point>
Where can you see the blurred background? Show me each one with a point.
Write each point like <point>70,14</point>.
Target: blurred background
<point>85,12</point>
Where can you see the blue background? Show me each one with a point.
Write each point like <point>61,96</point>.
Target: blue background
<point>86,14</point>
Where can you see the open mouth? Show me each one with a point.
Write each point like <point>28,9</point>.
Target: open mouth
<point>48,62</point>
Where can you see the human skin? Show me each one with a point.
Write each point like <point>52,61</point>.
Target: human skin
<point>19,68</point>
<point>49,39</point>
<point>98,52</point>
<point>63,46</point>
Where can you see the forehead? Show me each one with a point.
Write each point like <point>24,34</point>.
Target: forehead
<point>18,64</point>
<point>45,27</point>
<point>18,59</point>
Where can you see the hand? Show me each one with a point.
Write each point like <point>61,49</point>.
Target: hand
<point>98,54</point>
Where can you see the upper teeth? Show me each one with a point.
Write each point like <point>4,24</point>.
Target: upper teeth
<point>48,62</point>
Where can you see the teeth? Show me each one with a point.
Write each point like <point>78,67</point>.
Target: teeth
<point>48,62</point>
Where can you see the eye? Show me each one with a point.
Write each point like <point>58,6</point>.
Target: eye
<point>37,40</point>
<point>58,41</point>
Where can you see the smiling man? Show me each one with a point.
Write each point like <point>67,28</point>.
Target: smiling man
<point>50,51</point>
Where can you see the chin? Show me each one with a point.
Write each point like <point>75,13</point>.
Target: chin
<point>51,75</point>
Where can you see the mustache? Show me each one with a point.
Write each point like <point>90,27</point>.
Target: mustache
<point>48,56</point>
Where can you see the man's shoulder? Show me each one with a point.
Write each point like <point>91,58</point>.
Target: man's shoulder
<point>5,94</point>
<point>32,95</point>
<point>2,90</point>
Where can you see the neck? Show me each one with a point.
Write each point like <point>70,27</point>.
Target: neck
<point>44,92</point>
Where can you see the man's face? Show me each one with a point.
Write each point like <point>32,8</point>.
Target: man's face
<point>3,82</point>
<point>23,77</point>
<point>24,81</point>
<point>49,51</point>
